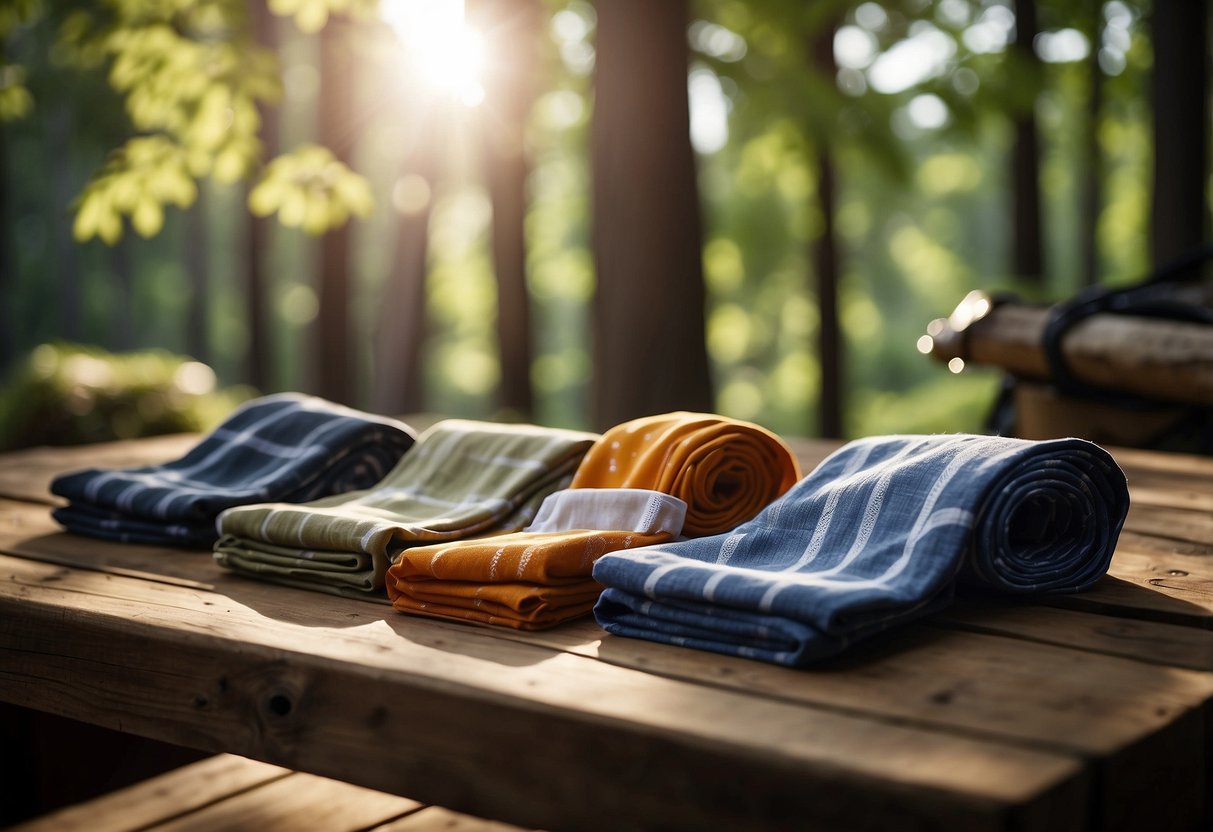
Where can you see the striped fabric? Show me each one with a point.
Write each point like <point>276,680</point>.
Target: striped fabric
<point>878,534</point>
<point>463,479</point>
<point>287,447</point>
<point>718,471</point>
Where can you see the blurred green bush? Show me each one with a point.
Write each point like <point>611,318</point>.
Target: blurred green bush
<point>68,394</point>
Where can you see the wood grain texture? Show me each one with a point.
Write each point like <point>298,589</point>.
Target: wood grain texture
<point>990,716</point>
<point>1009,689</point>
<point>1178,524</point>
<point>408,707</point>
<point>1147,641</point>
<point>296,802</point>
<point>161,798</point>
<point>1172,588</point>
<point>437,819</point>
<point>240,795</point>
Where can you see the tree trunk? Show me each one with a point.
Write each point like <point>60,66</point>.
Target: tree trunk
<point>8,265</point>
<point>824,256</point>
<point>61,124</point>
<point>332,354</point>
<point>511,29</point>
<point>197,328</point>
<point>1027,246</point>
<point>1092,186</point>
<point>1179,217</point>
<point>400,339</point>
<point>399,373</point>
<point>122,321</point>
<point>257,277</point>
<point>648,312</point>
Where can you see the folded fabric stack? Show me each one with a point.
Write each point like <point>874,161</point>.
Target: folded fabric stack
<point>286,447</point>
<point>462,479</point>
<point>877,535</point>
<point>642,483</point>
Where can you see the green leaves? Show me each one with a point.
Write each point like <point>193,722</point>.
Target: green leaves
<point>137,181</point>
<point>203,93</point>
<point>311,15</point>
<point>311,189</point>
<point>15,99</point>
<point>193,79</point>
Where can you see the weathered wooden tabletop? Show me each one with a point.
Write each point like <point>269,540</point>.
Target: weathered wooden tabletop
<point>1074,712</point>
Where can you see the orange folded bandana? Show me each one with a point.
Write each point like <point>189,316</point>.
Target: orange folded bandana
<point>540,577</point>
<point>643,483</point>
<point>725,470</point>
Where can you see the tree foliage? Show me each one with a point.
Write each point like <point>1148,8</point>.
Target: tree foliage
<point>922,213</point>
<point>191,77</point>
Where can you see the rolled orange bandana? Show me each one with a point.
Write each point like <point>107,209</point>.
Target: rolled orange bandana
<point>725,470</point>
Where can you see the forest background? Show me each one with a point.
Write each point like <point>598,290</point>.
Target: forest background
<point>459,188</point>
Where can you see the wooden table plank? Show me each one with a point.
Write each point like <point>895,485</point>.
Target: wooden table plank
<point>234,793</point>
<point>1174,589</point>
<point>1061,684</point>
<point>1134,720</point>
<point>923,678</point>
<point>1168,480</point>
<point>910,661</point>
<point>1172,524</point>
<point>160,799</point>
<point>402,706</point>
<point>437,819</point>
<point>1146,641</point>
<point>985,685</point>
<point>296,802</point>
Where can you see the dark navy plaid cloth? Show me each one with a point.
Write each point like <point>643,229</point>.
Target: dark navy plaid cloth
<point>282,448</point>
<point>879,534</point>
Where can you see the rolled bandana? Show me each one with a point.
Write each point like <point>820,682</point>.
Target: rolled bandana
<point>725,470</point>
<point>463,479</point>
<point>285,448</point>
<point>877,535</point>
<point>540,577</point>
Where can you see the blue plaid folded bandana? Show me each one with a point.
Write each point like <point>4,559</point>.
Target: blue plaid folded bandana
<point>879,534</point>
<point>282,448</point>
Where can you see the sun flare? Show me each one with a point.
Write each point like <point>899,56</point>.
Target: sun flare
<point>441,47</point>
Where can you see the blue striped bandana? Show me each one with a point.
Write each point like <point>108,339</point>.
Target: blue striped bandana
<point>879,534</point>
<point>282,448</point>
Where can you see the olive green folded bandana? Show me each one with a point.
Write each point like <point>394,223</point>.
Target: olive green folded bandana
<point>462,479</point>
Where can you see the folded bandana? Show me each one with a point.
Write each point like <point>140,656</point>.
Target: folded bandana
<point>286,447</point>
<point>463,479</point>
<point>540,577</point>
<point>877,535</point>
<point>726,471</point>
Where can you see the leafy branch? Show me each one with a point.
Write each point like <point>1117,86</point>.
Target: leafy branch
<point>192,78</point>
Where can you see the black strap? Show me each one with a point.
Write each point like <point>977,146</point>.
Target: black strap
<point>1151,298</point>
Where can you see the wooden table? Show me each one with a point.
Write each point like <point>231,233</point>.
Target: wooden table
<point>1076,712</point>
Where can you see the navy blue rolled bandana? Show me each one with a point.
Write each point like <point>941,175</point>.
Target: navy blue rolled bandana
<point>880,533</point>
<point>282,448</point>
